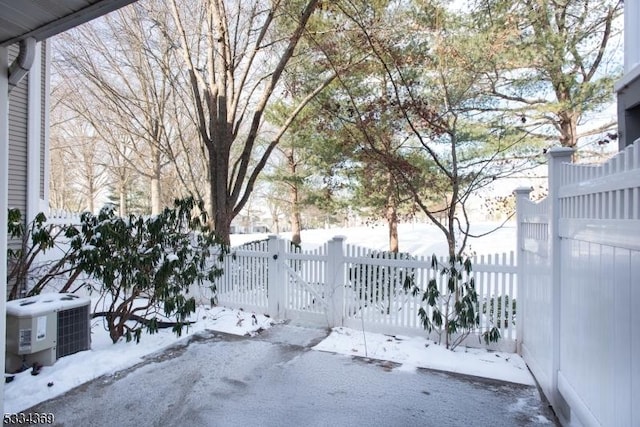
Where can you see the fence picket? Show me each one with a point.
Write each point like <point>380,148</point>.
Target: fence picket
<point>513,297</point>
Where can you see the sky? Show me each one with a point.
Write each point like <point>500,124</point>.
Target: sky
<point>106,358</point>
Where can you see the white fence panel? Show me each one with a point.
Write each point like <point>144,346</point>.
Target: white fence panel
<point>340,284</point>
<point>589,362</point>
<point>61,217</point>
<point>244,283</point>
<point>307,295</point>
<point>376,299</point>
<point>536,289</point>
<point>600,231</point>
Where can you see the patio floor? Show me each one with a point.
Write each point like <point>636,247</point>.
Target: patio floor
<point>277,380</point>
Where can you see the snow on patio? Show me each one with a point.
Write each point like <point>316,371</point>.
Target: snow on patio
<point>106,358</point>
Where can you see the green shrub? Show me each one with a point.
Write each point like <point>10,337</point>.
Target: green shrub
<point>454,311</point>
<point>146,267</point>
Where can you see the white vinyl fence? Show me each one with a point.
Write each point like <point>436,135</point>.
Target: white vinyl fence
<point>579,261</point>
<point>344,285</point>
<point>61,217</point>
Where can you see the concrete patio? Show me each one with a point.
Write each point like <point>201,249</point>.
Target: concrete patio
<point>275,379</point>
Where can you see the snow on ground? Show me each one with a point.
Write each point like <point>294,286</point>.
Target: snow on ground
<point>419,239</point>
<point>417,352</point>
<point>104,357</point>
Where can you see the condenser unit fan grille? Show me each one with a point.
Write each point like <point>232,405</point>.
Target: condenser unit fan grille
<point>73,331</point>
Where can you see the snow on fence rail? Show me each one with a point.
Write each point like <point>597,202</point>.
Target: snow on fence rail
<point>346,285</point>
<point>579,260</point>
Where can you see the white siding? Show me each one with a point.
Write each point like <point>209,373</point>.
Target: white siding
<point>17,144</point>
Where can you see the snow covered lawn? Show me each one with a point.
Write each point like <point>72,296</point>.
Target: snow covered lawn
<point>418,239</point>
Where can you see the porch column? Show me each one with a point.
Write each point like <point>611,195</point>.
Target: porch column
<point>4,201</point>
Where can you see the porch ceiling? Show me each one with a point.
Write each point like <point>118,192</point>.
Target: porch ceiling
<point>41,19</point>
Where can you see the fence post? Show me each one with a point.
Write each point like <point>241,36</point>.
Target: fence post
<point>557,156</point>
<point>335,282</point>
<point>522,194</point>
<point>274,281</point>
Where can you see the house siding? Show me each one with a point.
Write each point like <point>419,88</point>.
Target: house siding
<point>18,117</point>
<point>18,100</point>
<point>628,88</point>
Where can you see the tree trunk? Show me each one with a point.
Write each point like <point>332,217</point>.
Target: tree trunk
<point>392,221</point>
<point>219,214</point>
<point>392,215</point>
<point>155,195</point>
<point>90,197</point>
<point>223,226</point>
<point>568,129</point>
<point>222,214</point>
<point>122,210</point>
<point>294,198</point>
<point>295,216</point>
<point>219,153</point>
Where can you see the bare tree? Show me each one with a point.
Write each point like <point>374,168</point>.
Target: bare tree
<point>78,174</point>
<point>124,64</point>
<point>235,53</point>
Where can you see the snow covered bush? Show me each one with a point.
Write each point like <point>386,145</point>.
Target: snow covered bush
<point>452,310</point>
<point>145,267</point>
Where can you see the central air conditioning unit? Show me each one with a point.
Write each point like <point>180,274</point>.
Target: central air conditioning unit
<point>44,328</point>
